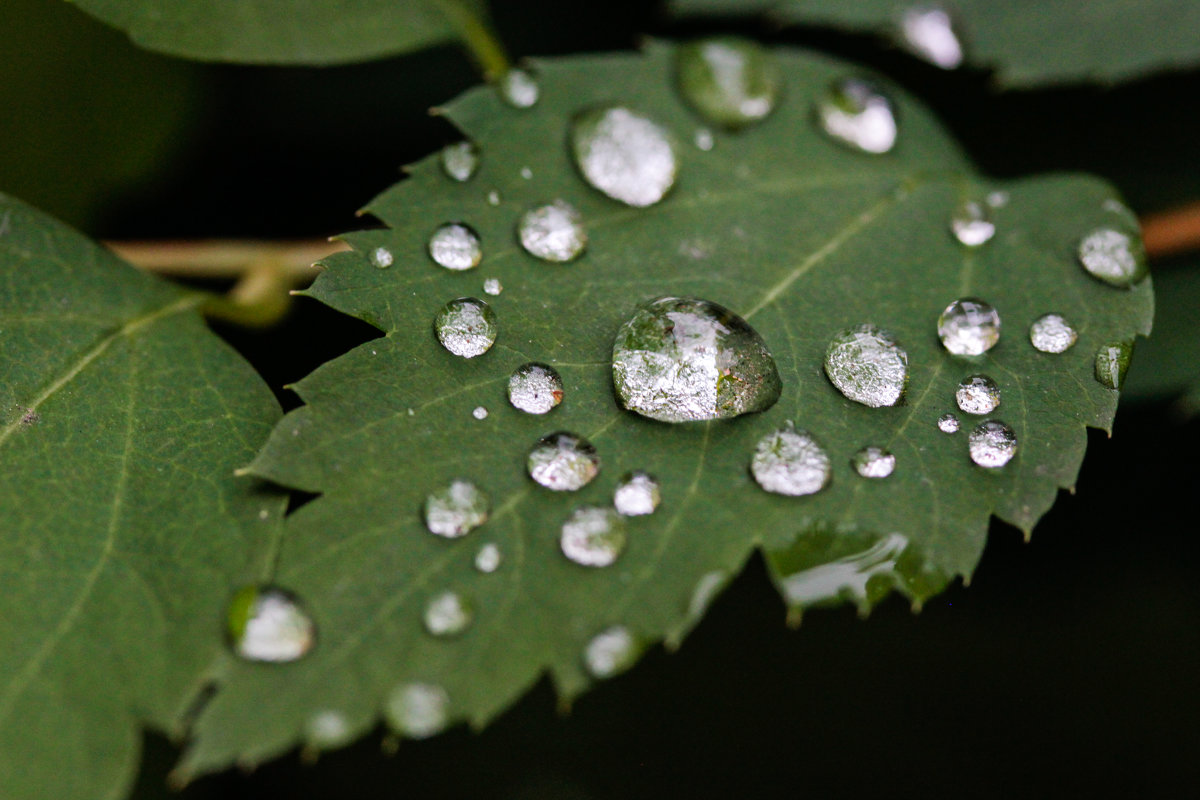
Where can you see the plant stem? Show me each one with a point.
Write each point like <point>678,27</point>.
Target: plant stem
<point>478,38</point>
<point>1173,231</point>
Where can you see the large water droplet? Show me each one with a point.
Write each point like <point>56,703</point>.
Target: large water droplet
<point>448,614</point>
<point>969,327</point>
<point>977,394</point>
<point>519,88</point>
<point>624,154</point>
<point>1051,333</point>
<point>535,388</point>
<point>417,710</point>
<point>553,232</point>
<point>456,510</point>
<point>455,246</point>
<point>971,223</point>
<point>789,461</point>
<point>928,32</point>
<point>947,423</point>
<point>867,366</point>
<point>730,81</point>
<point>682,359</point>
<point>488,559</point>
<point>382,258</point>
<point>460,160</point>
<point>845,578</point>
<point>1112,361</point>
<point>858,114</point>
<point>466,327</point>
<point>992,444</point>
<point>873,462</point>
<point>563,462</point>
<point>1114,257</point>
<point>593,536</point>
<point>266,623</point>
<point>637,494</point>
<point>610,652</point>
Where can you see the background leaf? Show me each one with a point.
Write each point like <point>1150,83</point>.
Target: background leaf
<point>123,531</point>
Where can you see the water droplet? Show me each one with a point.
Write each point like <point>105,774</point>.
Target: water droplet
<point>729,81</point>
<point>593,536</point>
<point>480,412</point>
<point>553,232</point>
<point>535,388</point>
<point>417,710</point>
<point>610,652</point>
<point>1051,333</point>
<point>460,160</point>
<point>266,623</point>
<point>1112,361</point>
<point>526,173</point>
<point>846,577</point>
<point>519,88</point>
<point>563,462</point>
<point>488,559</point>
<point>705,592</point>
<point>466,327</point>
<point>492,286</point>
<point>1116,258</point>
<point>382,258</point>
<point>856,113</point>
<point>636,494</point>
<point>328,729</point>
<point>493,198</point>
<point>789,461</point>
<point>928,32</point>
<point>455,246</point>
<point>969,327</point>
<point>624,154</point>
<point>682,359</point>
<point>992,444</point>
<point>867,366</point>
<point>977,394</point>
<point>948,423</point>
<point>971,223</point>
<point>873,462</point>
<point>998,199</point>
<point>456,510</point>
<point>447,614</point>
<point>703,139</point>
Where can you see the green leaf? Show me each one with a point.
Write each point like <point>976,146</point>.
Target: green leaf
<point>123,531</point>
<point>1027,42</point>
<point>799,235</point>
<point>286,31</point>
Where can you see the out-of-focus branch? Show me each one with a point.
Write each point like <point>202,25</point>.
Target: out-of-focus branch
<point>1171,232</point>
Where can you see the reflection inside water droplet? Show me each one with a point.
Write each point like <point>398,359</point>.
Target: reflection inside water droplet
<point>790,462</point>
<point>992,444</point>
<point>1113,257</point>
<point>977,394</point>
<point>856,113</point>
<point>624,154</point>
<point>873,462</point>
<point>535,388</point>
<point>456,510</point>
<point>267,623</point>
<point>867,366</point>
<point>460,160</point>
<point>969,327</point>
<point>417,710</point>
<point>593,536</point>
<point>637,494</point>
<point>455,246</point>
<point>563,462</point>
<point>553,232</point>
<point>947,423</point>
<point>971,223</point>
<point>928,32</point>
<point>610,652</point>
<point>1051,333</point>
<point>730,81</point>
<point>447,614</point>
<point>466,327</point>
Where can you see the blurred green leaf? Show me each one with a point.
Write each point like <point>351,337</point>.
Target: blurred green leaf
<point>1168,363</point>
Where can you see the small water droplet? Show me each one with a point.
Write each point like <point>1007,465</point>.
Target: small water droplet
<point>480,412</point>
<point>873,462</point>
<point>563,462</point>
<point>847,576</point>
<point>466,327</point>
<point>460,160</point>
<point>1051,333</point>
<point>703,139</point>
<point>535,388</point>
<point>977,394</point>
<point>493,198</point>
<point>382,258</point>
<point>328,729</point>
<point>266,623</point>
<point>971,223</point>
<point>488,559</point>
<point>610,652</point>
<point>969,327</point>
<point>992,444</point>
<point>947,423</point>
<point>730,81</point>
<point>624,154</point>
<point>790,462</point>
<point>492,286</point>
<point>456,510</point>
<point>519,88</point>
<point>456,247</point>
<point>593,536</point>
<point>527,173</point>
<point>928,32</point>
<point>683,359</point>
<point>637,494</point>
<point>1112,361</point>
<point>447,614</point>
<point>553,232</point>
<point>705,592</point>
<point>998,199</point>
<point>867,366</point>
<point>1113,257</point>
<point>417,710</point>
<point>858,114</point>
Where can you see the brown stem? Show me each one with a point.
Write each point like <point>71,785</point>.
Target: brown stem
<point>1172,232</point>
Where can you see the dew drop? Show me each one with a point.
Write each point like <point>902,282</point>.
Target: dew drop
<point>480,413</point>
<point>563,462</point>
<point>382,258</point>
<point>1051,333</point>
<point>867,366</point>
<point>328,729</point>
<point>971,223</point>
<point>488,559</point>
<point>624,154</point>
<point>846,577</point>
<point>947,423</point>
<point>969,327</point>
<point>636,494</point>
<point>466,327</point>
<point>553,232</point>
<point>998,199</point>
<point>928,32</point>
<point>492,286</point>
<point>610,652</point>
<point>535,388</point>
<point>456,247</point>
<point>447,614</point>
<point>493,198</point>
<point>593,536</point>
<point>526,173</point>
<point>873,462</point>
<point>519,88</point>
<point>456,510</point>
<point>1113,257</point>
<point>266,623</point>
<point>730,81</point>
<point>977,394</point>
<point>683,359</point>
<point>790,462</point>
<point>992,444</point>
<point>856,113</point>
<point>417,710</point>
<point>460,160</point>
<point>1112,361</point>
<point>703,139</point>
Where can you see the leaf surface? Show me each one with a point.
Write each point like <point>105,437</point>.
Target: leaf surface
<point>799,235</point>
